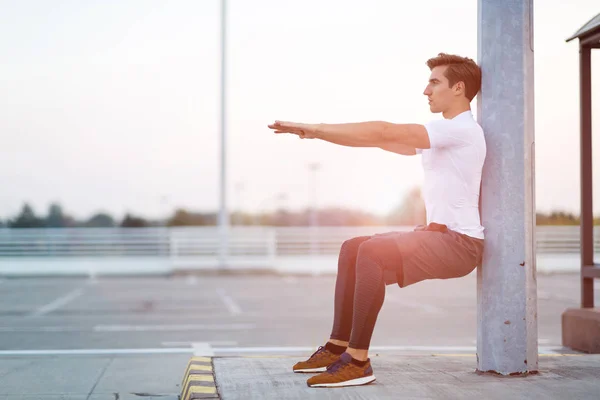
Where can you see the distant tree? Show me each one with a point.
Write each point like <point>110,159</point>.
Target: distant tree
<point>131,221</point>
<point>100,220</point>
<point>337,216</point>
<point>56,218</point>
<point>557,218</point>
<point>240,218</point>
<point>186,218</point>
<point>332,216</point>
<point>280,218</point>
<point>27,219</point>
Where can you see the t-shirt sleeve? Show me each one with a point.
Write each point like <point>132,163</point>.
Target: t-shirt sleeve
<point>443,133</point>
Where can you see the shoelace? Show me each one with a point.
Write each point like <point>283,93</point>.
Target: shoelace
<point>336,366</point>
<point>320,350</point>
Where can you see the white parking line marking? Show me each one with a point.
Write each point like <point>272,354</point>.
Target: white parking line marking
<point>190,344</point>
<point>69,352</point>
<point>292,349</point>
<point>130,328</point>
<point>40,329</point>
<point>418,350</point>
<point>203,349</point>
<point>58,303</point>
<point>173,328</point>
<point>231,305</point>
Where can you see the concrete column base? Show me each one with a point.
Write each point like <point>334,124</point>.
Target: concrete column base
<point>581,329</point>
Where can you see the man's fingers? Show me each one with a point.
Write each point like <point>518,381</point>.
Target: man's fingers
<point>275,126</point>
<point>288,127</point>
<point>281,130</point>
<point>285,124</point>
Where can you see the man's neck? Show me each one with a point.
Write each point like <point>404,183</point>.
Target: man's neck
<point>449,114</point>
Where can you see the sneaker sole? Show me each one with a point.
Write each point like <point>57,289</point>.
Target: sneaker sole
<point>320,369</point>
<point>354,382</point>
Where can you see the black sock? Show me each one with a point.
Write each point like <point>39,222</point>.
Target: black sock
<point>359,363</point>
<point>334,348</point>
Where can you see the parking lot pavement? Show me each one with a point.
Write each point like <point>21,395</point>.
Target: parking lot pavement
<point>79,338</point>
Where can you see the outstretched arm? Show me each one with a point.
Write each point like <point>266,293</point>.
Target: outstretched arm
<point>399,149</point>
<point>400,138</point>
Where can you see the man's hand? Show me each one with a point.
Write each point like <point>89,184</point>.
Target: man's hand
<point>304,131</point>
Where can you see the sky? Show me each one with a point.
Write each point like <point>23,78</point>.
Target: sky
<point>114,105</point>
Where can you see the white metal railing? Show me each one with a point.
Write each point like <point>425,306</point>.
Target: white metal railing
<point>165,249</point>
<point>204,241</point>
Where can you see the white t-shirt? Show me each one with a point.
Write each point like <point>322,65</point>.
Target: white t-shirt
<point>452,171</point>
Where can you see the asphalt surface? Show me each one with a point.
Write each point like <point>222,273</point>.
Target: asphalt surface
<point>244,311</point>
<point>101,330</point>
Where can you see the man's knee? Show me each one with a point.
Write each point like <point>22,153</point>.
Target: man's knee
<point>349,252</point>
<point>350,247</point>
<point>383,251</point>
<point>368,249</point>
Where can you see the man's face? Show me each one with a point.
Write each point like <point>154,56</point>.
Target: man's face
<point>439,94</point>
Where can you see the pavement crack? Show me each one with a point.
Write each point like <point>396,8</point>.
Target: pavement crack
<point>100,377</point>
<point>452,375</point>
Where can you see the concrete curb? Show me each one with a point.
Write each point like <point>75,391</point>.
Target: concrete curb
<point>199,380</point>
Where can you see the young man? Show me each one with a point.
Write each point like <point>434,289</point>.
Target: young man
<point>453,151</point>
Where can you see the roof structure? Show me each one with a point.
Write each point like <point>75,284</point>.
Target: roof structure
<point>591,27</point>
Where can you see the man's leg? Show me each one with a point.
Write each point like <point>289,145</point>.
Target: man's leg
<point>377,264</point>
<point>404,258</point>
<point>344,291</point>
<point>411,257</point>
<point>343,306</point>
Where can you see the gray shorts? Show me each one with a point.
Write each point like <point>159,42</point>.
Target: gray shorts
<point>430,254</point>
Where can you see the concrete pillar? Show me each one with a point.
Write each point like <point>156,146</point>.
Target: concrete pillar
<point>506,282</point>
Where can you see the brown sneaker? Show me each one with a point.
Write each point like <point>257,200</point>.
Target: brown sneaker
<point>318,362</point>
<point>343,373</point>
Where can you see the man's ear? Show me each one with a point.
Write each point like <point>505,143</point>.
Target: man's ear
<point>459,88</point>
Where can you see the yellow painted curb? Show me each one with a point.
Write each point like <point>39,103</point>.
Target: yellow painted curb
<point>198,381</point>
